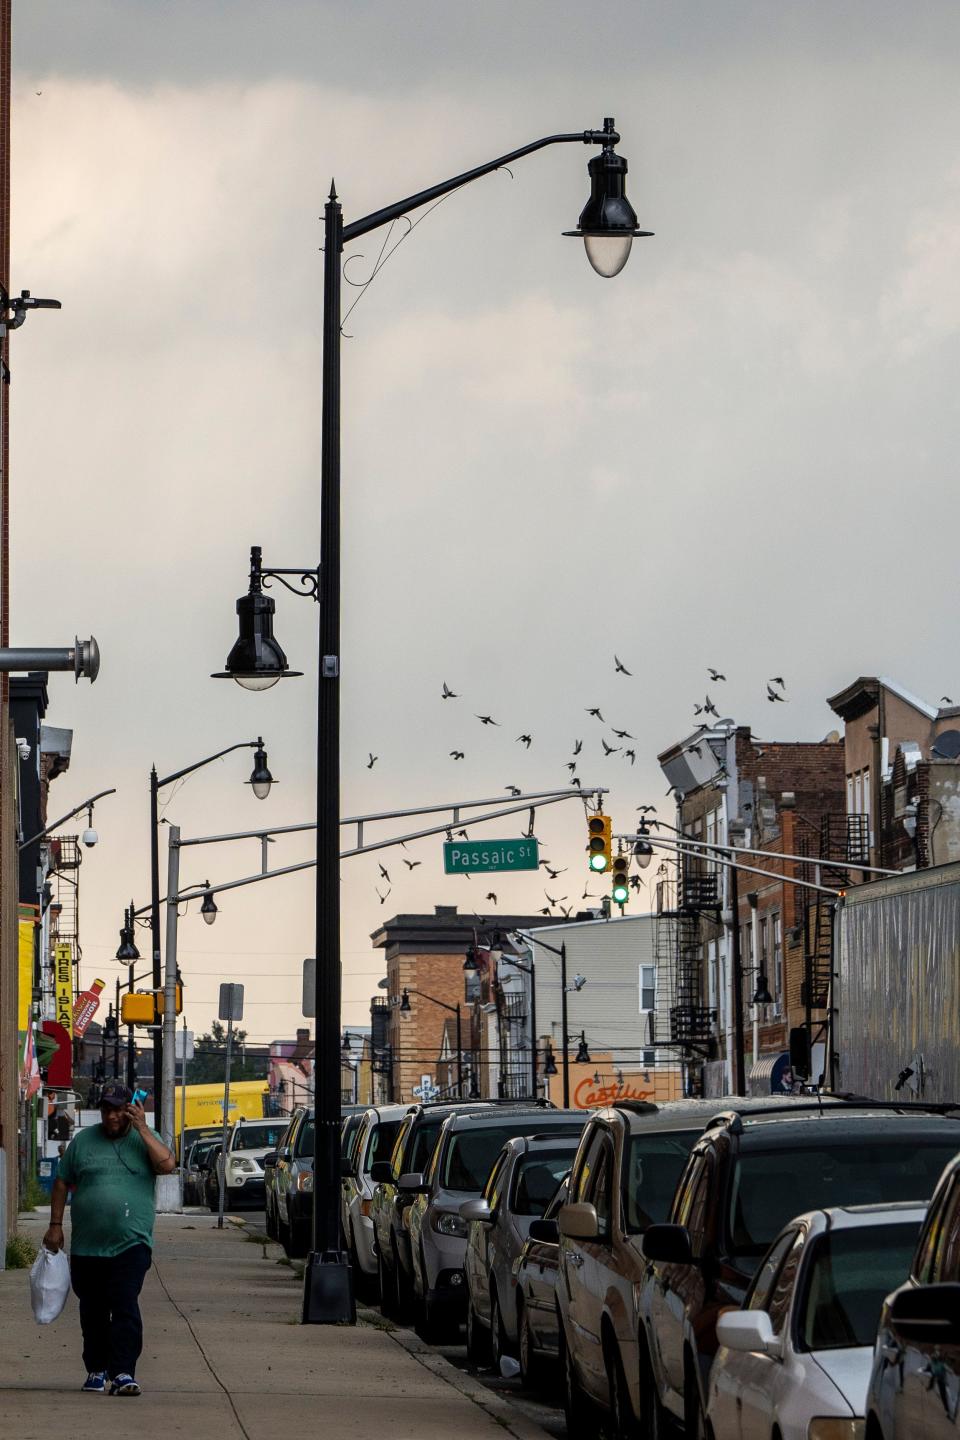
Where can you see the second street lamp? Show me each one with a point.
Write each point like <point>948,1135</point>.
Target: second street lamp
<point>256,661</point>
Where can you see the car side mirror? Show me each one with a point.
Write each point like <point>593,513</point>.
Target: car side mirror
<point>546,1231</point>
<point>476,1210</point>
<point>412,1183</point>
<point>270,1158</point>
<point>749,1331</point>
<point>381,1172</point>
<point>669,1244</point>
<point>928,1314</point>
<point>346,1169</point>
<point>579,1221</point>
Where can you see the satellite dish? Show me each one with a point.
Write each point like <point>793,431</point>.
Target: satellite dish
<point>947,745</point>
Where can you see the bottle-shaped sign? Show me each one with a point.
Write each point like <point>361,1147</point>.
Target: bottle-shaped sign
<point>88,1003</point>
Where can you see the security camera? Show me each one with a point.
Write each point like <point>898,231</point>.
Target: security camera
<point>89,837</point>
<point>579,981</point>
<point>23,747</point>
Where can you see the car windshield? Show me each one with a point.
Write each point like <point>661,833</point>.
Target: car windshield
<point>305,1139</point>
<point>348,1133</point>
<point>200,1151</point>
<point>537,1177</point>
<point>423,1143</point>
<point>771,1186</point>
<point>257,1137</point>
<point>381,1142</point>
<point>471,1153</point>
<point>650,1176</point>
<point>849,1276</point>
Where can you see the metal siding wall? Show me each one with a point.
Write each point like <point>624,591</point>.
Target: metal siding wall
<point>899,985</point>
<point>609,954</point>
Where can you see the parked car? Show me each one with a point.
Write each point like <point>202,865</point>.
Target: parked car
<point>796,1360</point>
<point>538,1338</point>
<point>466,1148</point>
<point>242,1163</point>
<point>520,1186</point>
<point>374,1140</point>
<point>193,1175</point>
<point>412,1150</point>
<point>914,1388</point>
<point>746,1177</point>
<point>630,1158</point>
<point>291,1184</point>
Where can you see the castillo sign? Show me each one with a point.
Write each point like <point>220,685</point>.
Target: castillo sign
<point>590,1096</point>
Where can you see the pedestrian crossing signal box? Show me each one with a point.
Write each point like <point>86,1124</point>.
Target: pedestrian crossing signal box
<point>599,842</point>
<point>146,1009</point>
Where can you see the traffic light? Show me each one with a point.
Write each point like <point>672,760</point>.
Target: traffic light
<point>599,842</point>
<point>621,880</point>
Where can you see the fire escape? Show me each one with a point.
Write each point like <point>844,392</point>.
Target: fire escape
<point>684,903</point>
<point>65,860</point>
<point>844,839</point>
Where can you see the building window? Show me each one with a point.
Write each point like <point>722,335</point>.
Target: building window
<point>713,961</point>
<point>648,1059</point>
<point>762,957</point>
<point>857,798</point>
<point>850,809</point>
<point>777,962</point>
<point>648,987</point>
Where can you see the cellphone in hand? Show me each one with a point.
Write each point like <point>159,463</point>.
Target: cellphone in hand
<point>139,1096</point>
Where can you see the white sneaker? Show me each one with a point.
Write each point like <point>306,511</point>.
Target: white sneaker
<point>124,1385</point>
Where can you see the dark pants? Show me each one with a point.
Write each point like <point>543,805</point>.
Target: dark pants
<point>107,1289</point>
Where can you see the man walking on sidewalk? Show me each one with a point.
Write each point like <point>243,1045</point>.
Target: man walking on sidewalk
<point>111,1168</point>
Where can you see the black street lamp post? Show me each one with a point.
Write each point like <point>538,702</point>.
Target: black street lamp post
<point>405,1009</point>
<point>260,782</point>
<point>607,226</point>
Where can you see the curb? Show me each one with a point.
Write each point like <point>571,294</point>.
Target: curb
<point>504,1412</point>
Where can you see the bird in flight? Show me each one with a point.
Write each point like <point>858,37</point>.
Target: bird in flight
<point>566,911</point>
<point>457,754</point>
<point>608,749</point>
<point>385,874</point>
<point>709,708</point>
<point>487,720</point>
<point>382,898</point>
<point>556,902</point>
<point>373,759</point>
<point>772,696</point>
<point>646,809</point>
<point>514,790</point>
<point>546,910</point>
<point>945,700</point>
<point>554,873</point>
<point>491,896</point>
<point>577,746</point>
<point>447,693</point>
<point>588,895</point>
<point>575,780</point>
<point>412,864</point>
<point>463,835</point>
<point>715,674</point>
<point>623,734</point>
<point>596,712</point>
<point>778,680</point>
<point>630,755</point>
<point>525,740</point>
<point>621,669</point>
<point>572,766</point>
<point>698,709</point>
<point>635,881</point>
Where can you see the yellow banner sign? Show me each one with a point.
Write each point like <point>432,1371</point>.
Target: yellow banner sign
<point>63,986</point>
<point>25,974</point>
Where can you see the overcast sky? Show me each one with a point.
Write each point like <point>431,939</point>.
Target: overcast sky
<point>738,453</point>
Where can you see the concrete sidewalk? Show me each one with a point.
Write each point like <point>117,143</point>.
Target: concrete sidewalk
<point>225,1356</point>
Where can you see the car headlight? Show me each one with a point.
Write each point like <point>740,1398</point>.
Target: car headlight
<point>241,1163</point>
<point>449,1223</point>
<point>304,1181</point>
<point>832,1427</point>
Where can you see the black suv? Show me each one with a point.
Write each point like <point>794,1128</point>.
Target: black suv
<point>746,1178</point>
<point>411,1152</point>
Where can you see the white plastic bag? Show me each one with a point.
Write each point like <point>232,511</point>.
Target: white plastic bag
<point>49,1284</point>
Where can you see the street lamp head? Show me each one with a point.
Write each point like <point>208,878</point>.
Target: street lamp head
<point>762,994</point>
<point>260,778</point>
<point>470,963</point>
<point>550,1064</point>
<point>405,1004</point>
<point>127,952</point>
<point>643,853</point>
<point>209,909</point>
<point>608,222</point>
<point>583,1053</point>
<point>256,661</point>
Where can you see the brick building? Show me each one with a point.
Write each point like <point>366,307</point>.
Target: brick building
<point>784,797</point>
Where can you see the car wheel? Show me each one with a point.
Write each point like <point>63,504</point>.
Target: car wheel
<point>622,1426</point>
<point>478,1338</point>
<point>529,1359</point>
<point>576,1407</point>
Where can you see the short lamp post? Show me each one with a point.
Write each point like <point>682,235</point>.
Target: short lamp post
<point>607,226</point>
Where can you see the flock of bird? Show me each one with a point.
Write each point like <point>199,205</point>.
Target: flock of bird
<point>775,694</point>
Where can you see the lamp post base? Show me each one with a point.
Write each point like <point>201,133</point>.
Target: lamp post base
<point>328,1290</point>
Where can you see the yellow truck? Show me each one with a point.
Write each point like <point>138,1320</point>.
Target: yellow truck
<point>204,1107</point>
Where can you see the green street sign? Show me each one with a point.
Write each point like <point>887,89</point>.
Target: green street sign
<point>472,857</point>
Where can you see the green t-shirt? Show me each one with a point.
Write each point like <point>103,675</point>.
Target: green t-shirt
<point>113,1200</point>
